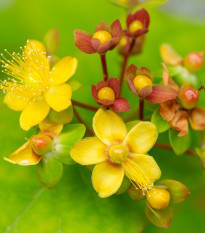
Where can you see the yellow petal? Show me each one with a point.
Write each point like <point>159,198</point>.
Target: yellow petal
<point>89,151</point>
<point>169,56</point>
<point>35,112</point>
<point>142,169</point>
<point>141,138</point>
<point>24,156</point>
<point>63,70</point>
<point>58,97</point>
<point>15,103</point>
<point>109,127</point>
<point>107,177</point>
<point>50,128</point>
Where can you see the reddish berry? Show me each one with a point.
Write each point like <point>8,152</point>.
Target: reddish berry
<point>188,97</point>
<point>194,61</point>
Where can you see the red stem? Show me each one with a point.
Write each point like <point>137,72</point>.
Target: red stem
<point>82,121</point>
<point>124,63</point>
<point>104,66</point>
<point>168,147</point>
<point>122,73</point>
<point>86,106</point>
<point>141,109</point>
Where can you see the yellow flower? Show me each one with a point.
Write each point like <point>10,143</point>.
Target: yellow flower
<point>34,87</point>
<point>117,152</point>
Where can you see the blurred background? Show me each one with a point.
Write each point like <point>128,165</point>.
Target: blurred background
<point>73,206</point>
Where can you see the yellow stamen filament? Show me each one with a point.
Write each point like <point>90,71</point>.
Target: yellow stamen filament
<point>102,36</point>
<point>28,72</point>
<point>136,175</point>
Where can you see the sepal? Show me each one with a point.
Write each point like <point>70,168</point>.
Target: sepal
<point>178,191</point>
<point>49,171</point>
<point>160,218</point>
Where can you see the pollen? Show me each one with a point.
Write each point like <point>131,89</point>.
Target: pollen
<point>102,36</point>
<point>135,26</point>
<point>28,72</point>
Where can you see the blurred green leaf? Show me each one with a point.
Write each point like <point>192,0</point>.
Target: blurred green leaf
<point>179,144</point>
<point>161,124</point>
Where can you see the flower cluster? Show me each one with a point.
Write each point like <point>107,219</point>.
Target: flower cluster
<point>40,85</point>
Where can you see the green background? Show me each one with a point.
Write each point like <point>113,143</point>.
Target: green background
<point>73,206</point>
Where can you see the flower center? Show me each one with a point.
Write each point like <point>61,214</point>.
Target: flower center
<point>106,93</point>
<point>118,153</point>
<point>141,81</point>
<point>102,36</point>
<point>158,198</point>
<point>135,26</point>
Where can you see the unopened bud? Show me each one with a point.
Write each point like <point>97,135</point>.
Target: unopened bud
<point>188,97</point>
<point>194,61</point>
<point>41,144</point>
<point>158,198</point>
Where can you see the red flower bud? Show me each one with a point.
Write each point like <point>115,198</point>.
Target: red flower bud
<point>188,97</point>
<point>194,61</point>
<point>107,92</point>
<point>138,23</point>
<point>104,38</point>
<point>41,144</point>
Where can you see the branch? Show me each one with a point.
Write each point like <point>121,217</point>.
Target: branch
<point>168,147</point>
<point>86,106</point>
<point>82,121</point>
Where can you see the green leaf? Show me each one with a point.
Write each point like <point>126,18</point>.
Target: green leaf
<point>178,191</point>
<point>75,84</point>
<point>49,171</point>
<point>62,144</point>
<point>131,124</point>
<point>161,124</point>
<point>63,117</point>
<point>179,144</point>
<point>160,218</point>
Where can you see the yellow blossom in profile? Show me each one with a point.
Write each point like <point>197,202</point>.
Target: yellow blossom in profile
<point>117,153</point>
<point>33,86</point>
